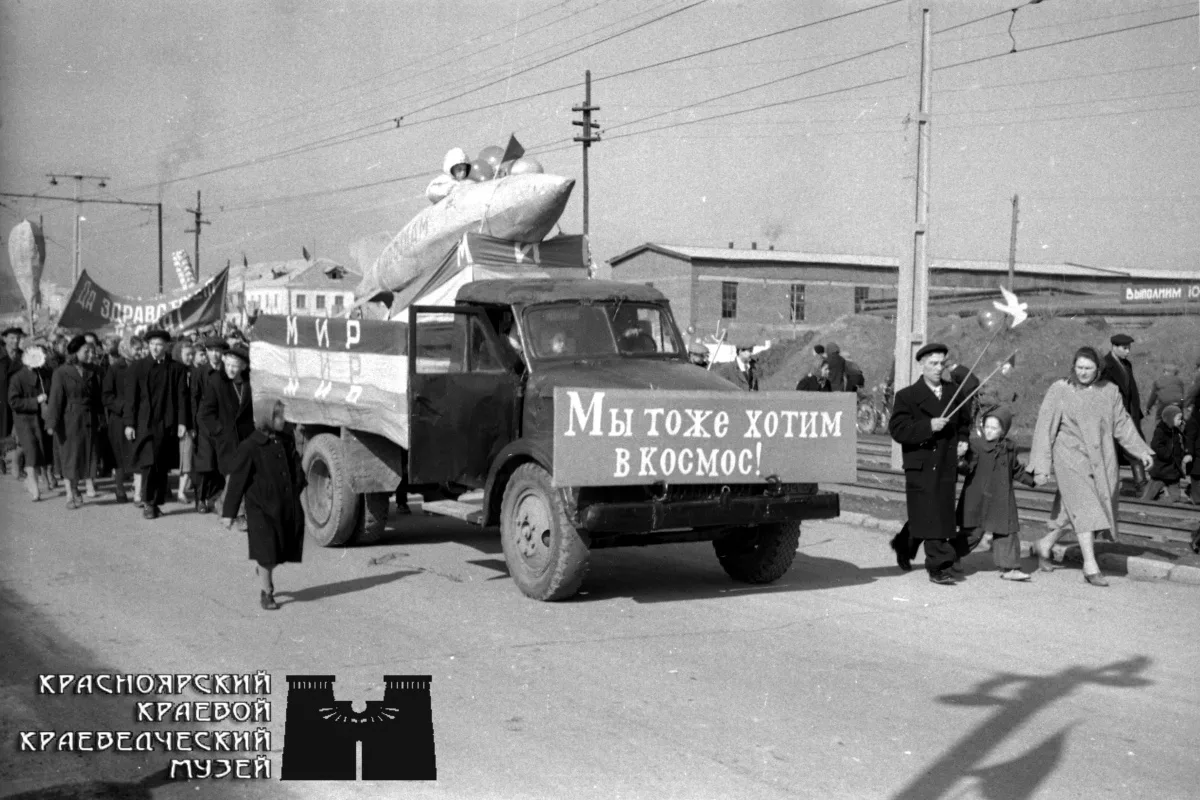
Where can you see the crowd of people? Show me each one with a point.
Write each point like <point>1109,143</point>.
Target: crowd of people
<point>76,410</point>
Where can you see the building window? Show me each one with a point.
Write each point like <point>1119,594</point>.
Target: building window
<point>339,302</point>
<point>320,302</point>
<point>796,301</point>
<point>860,298</point>
<point>301,299</point>
<point>728,299</point>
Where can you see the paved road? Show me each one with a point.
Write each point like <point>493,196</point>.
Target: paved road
<point>664,680</point>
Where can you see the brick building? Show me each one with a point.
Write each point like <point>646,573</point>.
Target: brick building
<point>761,294</point>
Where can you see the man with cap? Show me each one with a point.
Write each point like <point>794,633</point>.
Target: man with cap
<point>226,410</point>
<point>931,439</point>
<point>208,478</point>
<point>158,414</point>
<point>740,371</point>
<point>10,365</point>
<point>1118,370</point>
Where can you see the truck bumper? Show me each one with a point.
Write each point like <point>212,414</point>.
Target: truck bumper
<point>647,517</point>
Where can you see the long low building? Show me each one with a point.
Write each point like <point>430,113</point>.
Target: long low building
<point>758,294</point>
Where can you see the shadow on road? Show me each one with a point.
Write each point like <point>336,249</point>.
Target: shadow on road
<point>341,587</point>
<point>98,790</point>
<point>1019,778</point>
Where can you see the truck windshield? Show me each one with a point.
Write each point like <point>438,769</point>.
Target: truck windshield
<point>601,329</point>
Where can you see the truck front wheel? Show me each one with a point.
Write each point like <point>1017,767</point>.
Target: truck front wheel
<point>331,507</point>
<point>546,556</point>
<point>761,555</point>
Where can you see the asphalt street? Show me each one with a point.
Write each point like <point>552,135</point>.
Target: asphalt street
<point>847,679</point>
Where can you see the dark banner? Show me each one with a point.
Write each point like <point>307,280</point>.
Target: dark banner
<point>205,307</point>
<point>92,307</point>
<point>1160,293</point>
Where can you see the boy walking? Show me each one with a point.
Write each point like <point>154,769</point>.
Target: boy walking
<point>1169,451</point>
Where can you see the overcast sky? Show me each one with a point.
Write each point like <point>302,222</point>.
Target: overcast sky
<point>252,103</point>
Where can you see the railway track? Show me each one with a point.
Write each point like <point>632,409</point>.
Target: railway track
<point>1154,522</point>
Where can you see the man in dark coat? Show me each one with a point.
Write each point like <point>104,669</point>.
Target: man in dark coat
<point>931,439</point>
<point>112,396</point>
<point>226,410</point>
<point>208,479</point>
<point>740,371</point>
<point>157,415</point>
<point>817,380</point>
<point>1191,453</point>
<point>1117,369</point>
<point>10,365</point>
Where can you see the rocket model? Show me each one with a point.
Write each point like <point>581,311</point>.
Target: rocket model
<point>521,208</point>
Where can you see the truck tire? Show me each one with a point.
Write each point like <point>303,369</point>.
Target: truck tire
<point>374,517</point>
<point>546,556</point>
<point>331,508</point>
<point>761,556</point>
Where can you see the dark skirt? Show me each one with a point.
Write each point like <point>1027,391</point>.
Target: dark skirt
<point>35,443</point>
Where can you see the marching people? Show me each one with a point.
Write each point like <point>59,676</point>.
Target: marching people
<point>157,415</point>
<point>741,371</point>
<point>112,396</point>
<point>1117,369</point>
<point>988,504</point>
<point>187,445</point>
<point>10,364</point>
<point>227,410</point>
<point>1191,454</point>
<point>931,440</point>
<point>28,392</point>
<point>267,474</point>
<point>1169,449</point>
<point>73,414</point>
<point>1081,421</point>
<point>208,479</point>
<point>817,379</point>
<point>1167,390</point>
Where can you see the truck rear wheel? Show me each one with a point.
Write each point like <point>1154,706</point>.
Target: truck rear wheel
<point>546,555</point>
<point>332,508</point>
<point>762,555</point>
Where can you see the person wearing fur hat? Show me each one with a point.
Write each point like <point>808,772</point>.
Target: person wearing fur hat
<point>157,415</point>
<point>1169,451</point>
<point>456,168</point>
<point>988,504</point>
<point>28,391</point>
<point>73,412</point>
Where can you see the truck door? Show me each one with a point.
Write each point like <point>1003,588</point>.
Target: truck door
<point>462,396</point>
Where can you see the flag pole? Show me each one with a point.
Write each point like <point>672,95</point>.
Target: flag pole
<point>967,399</point>
<point>971,371</point>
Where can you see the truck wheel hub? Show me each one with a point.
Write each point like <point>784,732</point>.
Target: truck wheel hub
<point>533,529</point>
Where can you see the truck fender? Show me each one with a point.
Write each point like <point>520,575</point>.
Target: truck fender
<point>513,455</point>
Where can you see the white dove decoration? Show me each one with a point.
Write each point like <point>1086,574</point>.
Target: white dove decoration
<point>1012,307</point>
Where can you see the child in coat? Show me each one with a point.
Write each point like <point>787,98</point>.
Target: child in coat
<point>1169,452</point>
<point>988,504</point>
<point>267,474</point>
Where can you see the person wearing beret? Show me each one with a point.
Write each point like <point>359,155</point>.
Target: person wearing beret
<point>10,365</point>
<point>931,439</point>
<point>1118,370</point>
<point>157,415</point>
<point>73,412</point>
<point>208,478</point>
<point>740,371</point>
<point>227,410</point>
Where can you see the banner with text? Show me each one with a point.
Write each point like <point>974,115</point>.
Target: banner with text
<point>610,437</point>
<point>92,307</point>
<point>1160,293</point>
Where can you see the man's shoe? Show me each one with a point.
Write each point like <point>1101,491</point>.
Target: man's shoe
<point>956,572</point>
<point>942,578</point>
<point>122,497</point>
<point>902,559</point>
<point>151,512</point>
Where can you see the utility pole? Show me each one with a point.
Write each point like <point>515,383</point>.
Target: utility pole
<point>102,181</point>
<point>196,230</point>
<point>912,299</point>
<point>586,137</point>
<point>1012,244</point>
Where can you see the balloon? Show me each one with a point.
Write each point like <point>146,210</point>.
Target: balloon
<point>482,170</point>
<point>492,155</point>
<point>990,320</point>
<point>525,166</point>
<point>691,329</point>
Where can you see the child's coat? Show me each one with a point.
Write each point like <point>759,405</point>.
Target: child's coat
<point>987,499</point>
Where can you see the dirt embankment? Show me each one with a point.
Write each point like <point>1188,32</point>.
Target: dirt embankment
<point>1044,348</point>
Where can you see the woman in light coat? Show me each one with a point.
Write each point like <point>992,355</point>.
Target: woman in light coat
<point>1080,417</point>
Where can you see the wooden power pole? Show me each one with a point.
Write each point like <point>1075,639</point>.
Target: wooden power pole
<point>1012,244</point>
<point>912,299</point>
<point>196,230</point>
<point>586,137</point>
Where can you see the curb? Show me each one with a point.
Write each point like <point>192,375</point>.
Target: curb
<point>1135,567</point>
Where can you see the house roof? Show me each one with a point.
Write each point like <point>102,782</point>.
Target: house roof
<point>549,290</point>
<point>281,274</point>
<point>325,274</point>
<point>737,256</point>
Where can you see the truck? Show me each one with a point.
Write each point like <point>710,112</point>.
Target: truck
<point>544,407</point>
